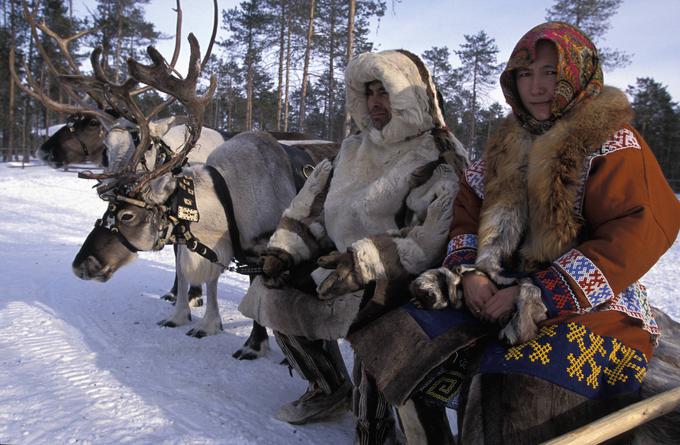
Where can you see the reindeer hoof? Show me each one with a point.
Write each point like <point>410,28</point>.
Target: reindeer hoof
<point>245,354</point>
<point>198,333</point>
<point>252,350</point>
<point>169,297</point>
<point>167,324</point>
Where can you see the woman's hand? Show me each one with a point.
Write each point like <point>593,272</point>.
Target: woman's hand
<point>478,290</point>
<point>501,306</point>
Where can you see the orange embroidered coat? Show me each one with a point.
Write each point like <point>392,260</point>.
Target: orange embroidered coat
<point>584,209</point>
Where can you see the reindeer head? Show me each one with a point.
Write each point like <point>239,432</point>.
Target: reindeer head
<point>136,217</point>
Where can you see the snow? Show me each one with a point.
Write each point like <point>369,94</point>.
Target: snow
<point>50,130</point>
<point>85,363</point>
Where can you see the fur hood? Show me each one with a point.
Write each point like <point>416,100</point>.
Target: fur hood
<point>532,182</point>
<point>415,107</point>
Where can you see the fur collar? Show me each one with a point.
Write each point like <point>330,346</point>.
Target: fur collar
<point>532,182</point>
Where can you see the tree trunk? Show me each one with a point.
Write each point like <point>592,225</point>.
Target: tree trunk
<point>119,49</point>
<point>305,69</point>
<point>472,151</point>
<point>282,49</point>
<point>329,93</point>
<point>350,49</point>
<point>7,155</point>
<point>249,82</point>
<point>288,54</point>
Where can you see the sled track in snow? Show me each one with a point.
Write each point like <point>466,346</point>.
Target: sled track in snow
<point>51,362</point>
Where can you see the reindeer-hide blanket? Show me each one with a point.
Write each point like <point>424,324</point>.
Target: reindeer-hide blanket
<point>297,313</point>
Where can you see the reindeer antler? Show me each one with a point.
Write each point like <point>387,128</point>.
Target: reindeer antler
<point>37,91</point>
<point>159,76</point>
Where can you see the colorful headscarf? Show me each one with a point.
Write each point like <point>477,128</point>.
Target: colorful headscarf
<point>579,71</point>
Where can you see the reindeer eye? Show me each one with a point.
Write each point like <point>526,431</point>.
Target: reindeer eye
<point>127,217</point>
<point>94,122</point>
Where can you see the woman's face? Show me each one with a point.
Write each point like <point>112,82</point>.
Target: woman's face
<point>536,83</point>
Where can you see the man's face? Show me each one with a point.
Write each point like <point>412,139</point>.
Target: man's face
<point>378,102</point>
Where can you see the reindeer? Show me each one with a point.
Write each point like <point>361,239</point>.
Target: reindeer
<point>252,171</point>
<point>100,133</point>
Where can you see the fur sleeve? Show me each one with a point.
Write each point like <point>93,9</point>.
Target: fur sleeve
<point>301,231</point>
<point>416,248</point>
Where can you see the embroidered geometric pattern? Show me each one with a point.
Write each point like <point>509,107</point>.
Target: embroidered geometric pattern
<point>572,356</point>
<point>443,385</point>
<point>586,355</point>
<point>539,352</point>
<point>474,176</point>
<point>557,295</point>
<point>460,257</point>
<point>624,138</point>
<point>462,241</point>
<point>633,301</point>
<point>587,276</point>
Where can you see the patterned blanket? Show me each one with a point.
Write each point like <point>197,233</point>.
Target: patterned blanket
<point>431,352</point>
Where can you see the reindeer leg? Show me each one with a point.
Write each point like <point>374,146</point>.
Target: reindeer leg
<point>171,295</point>
<point>182,313</point>
<point>256,345</point>
<point>195,292</point>
<point>195,296</point>
<point>211,323</point>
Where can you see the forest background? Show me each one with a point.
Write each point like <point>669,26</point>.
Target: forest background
<point>280,64</point>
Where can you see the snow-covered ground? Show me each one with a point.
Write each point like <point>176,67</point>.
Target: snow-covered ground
<point>85,362</point>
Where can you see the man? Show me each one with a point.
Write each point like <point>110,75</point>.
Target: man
<point>373,219</point>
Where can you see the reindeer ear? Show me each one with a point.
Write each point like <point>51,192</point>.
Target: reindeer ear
<point>160,127</point>
<point>159,190</point>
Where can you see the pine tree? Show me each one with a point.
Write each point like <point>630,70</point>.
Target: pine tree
<point>592,17</point>
<point>479,70</point>
<point>247,24</point>
<point>124,33</point>
<point>658,120</point>
<point>449,82</point>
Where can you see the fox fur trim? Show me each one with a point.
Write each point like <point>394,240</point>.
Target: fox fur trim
<point>532,182</point>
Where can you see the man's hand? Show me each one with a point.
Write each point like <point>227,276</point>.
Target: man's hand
<point>344,279</point>
<point>477,290</point>
<point>275,262</point>
<point>501,305</point>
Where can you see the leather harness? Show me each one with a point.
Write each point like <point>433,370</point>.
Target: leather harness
<point>180,211</point>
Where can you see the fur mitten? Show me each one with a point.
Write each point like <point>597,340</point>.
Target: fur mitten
<point>530,311</point>
<point>436,289</point>
<point>275,262</point>
<point>344,279</point>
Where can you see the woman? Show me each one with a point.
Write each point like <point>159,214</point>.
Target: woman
<point>565,212</point>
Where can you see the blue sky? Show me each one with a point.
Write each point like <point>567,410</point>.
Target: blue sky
<point>644,28</point>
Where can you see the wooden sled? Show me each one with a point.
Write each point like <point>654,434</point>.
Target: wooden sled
<point>622,420</point>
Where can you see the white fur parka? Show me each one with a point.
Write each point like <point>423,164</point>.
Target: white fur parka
<point>388,195</point>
